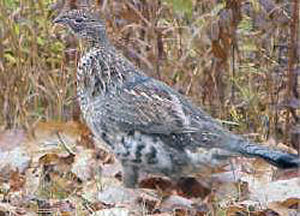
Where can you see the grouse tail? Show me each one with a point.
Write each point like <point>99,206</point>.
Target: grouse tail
<point>273,156</point>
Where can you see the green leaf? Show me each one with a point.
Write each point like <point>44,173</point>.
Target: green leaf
<point>11,3</point>
<point>245,24</point>
<point>10,58</point>
<point>40,41</point>
<point>57,47</point>
<point>16,28</point>
<point>182,6</point>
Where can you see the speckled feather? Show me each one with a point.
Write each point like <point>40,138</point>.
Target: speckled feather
<point>148,125</point>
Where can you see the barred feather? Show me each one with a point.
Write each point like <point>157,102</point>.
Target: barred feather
<point>147,124</point>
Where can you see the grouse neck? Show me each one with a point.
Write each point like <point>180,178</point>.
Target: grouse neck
<point>98,44</point>
<point>97,39</point>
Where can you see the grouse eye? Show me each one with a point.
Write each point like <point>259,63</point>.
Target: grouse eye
<point>78,20</point>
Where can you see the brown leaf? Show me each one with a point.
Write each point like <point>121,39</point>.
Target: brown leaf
<point>16,181</point>
<point>279,208</point>
<point>190,187</point>
<point>292,203</point>
<point>162,184</point>
<point>218,51</point>
<point>234,210</point>
<point>104,156</point>
<point>149,201</point>
<point>58,179</point>
<point>49,159</point>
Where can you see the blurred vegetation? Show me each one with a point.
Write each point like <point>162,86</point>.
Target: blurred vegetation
<point>231,57</point>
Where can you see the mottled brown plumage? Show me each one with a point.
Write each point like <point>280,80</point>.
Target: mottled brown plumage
<point>147,124</point>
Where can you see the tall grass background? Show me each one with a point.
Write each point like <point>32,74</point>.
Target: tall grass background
<point>230,57</point>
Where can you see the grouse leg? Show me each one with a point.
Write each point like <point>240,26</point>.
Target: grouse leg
<point>130,175</point>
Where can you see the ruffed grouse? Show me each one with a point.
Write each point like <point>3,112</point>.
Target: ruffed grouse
<point>148,125</point>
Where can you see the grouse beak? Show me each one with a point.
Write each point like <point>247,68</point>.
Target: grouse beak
<point>60,20</point>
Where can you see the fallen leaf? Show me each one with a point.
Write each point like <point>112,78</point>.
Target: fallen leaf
<point>14,159</point>
<point>175,201</point>
<point>16,181</point>
<point>117,195</point>
<point>10,139</point>
<point>276,191</point>
<point>112,212</point>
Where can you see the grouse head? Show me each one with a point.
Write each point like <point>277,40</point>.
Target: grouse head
<point>84,24</point>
